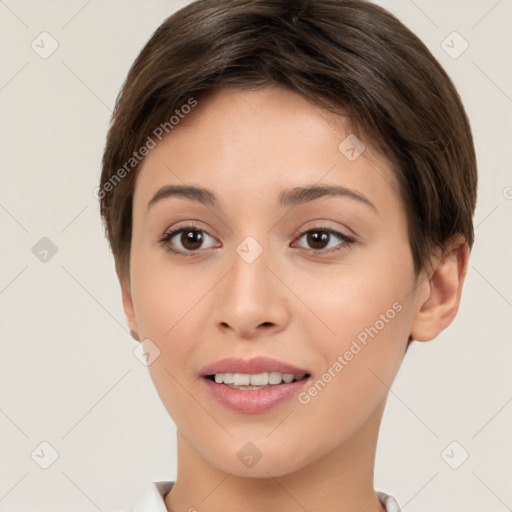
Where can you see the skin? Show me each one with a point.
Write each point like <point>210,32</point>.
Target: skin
<point>297,302</point>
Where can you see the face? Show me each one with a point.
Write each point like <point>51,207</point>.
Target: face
<point>254,268</point>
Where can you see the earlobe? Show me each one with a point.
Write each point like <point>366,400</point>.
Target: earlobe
<point>128,307</point>
<point>443,289</point>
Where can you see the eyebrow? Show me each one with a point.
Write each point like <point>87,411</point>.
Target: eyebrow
<point>292,197</point>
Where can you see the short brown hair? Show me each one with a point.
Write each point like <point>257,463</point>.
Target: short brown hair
<point>351,57</point>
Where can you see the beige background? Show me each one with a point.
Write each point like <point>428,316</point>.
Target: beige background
<point>68,376</point>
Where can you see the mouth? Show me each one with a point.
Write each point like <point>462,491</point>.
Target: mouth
<point>255,373</point>
<point>253,385</point>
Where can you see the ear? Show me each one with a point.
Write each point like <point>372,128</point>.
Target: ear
<point>439,295</point>
<point>128,308</point>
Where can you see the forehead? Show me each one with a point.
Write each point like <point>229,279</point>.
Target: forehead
<point>254,142</point>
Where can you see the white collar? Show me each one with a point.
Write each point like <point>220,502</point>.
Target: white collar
<point>152,499</point>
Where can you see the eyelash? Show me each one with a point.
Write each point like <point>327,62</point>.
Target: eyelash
<point>348,241</point>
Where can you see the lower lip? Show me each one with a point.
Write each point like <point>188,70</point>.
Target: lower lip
<point>254,401</point>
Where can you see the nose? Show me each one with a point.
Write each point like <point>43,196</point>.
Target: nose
<point>251,300</point>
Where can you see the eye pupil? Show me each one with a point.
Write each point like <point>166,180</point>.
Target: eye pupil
<point>318,237</point>
<point>192,239</point>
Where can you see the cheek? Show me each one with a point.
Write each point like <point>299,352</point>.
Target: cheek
<point>364,310</point>
<point>349,298</point>
<point>163,295</point>
<point>169,303</point>
<point>360,361</point>
<point>164,307</point>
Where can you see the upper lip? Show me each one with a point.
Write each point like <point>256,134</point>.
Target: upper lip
<point>251,366</point>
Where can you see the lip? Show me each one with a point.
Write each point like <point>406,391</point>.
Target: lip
<point>251,366</point>
<point>253,401</point>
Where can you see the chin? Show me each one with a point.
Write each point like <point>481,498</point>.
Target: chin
<point>274,466</point>
<point>256,459</point>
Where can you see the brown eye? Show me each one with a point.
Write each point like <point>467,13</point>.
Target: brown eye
<point>325,240</point>
<point>191,239</point>
<point>186,240</point>
<point>318,239</point>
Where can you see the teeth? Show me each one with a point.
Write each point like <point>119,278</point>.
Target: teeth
<point>241,379</point>
<point>275,378</point>
<point>260,379</point>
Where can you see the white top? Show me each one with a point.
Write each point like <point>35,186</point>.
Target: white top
<point>152,499</point>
